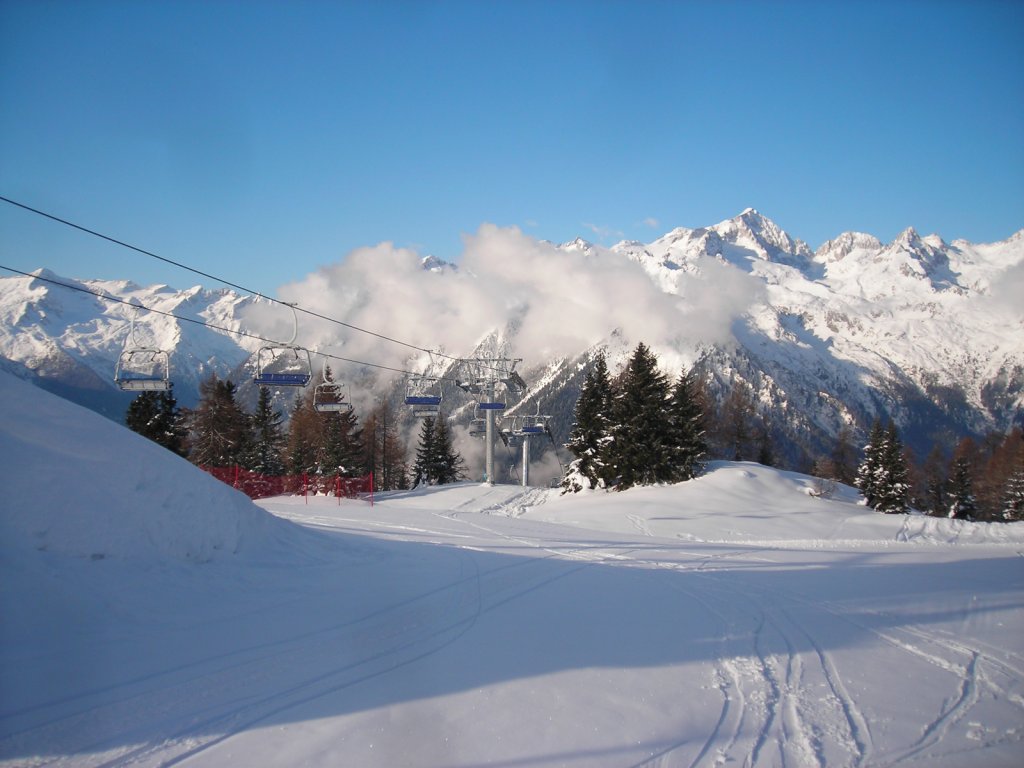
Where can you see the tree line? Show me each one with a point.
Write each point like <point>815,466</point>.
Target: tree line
<point>219,432</point>
<point>639,429</point>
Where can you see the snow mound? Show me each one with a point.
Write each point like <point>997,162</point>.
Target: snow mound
<point>748,503</point>
<point>77,483</point>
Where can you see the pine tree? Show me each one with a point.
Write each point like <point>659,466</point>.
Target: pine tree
<point>437,462</point>
<point>1013,497</point>
<point>643,449</point>
<point>268,438</point>
<point>219,428</point>
<point>891,485</point>
<point>425,468</point>
<point>686,420</point>
<point>342,448</point>
<point>156,415</point>
<point>963,505</point>
<point>590,438</point>
<point>868,468</point>
<point>450,467</point>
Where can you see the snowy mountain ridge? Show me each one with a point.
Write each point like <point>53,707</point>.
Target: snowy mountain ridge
<point>919,329</point>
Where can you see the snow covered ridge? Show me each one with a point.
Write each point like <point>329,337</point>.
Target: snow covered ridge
<point>928,332</point>
<point>77,484</point>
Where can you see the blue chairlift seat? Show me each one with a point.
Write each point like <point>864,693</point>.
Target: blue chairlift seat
<point>266,378</point>
<point>423,400</point>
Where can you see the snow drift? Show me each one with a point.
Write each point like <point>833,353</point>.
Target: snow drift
<point>72,482</point>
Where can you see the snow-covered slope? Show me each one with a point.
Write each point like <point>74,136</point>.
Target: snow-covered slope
<point>72,480</point>
<point>151,616</point>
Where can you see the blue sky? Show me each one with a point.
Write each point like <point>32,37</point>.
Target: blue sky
<point>259,140</point>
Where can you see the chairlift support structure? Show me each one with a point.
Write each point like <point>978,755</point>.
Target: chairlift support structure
<point>140,368</point>
<point>485,378</point>
<point>271,356</point>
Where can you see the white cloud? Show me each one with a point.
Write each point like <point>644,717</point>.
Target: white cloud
<point>562,301</point>
<point>603,232</point>
<point>651,222</point>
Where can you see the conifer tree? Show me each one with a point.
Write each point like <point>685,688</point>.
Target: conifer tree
<point>891,485</point>
<point>868,468</point>
<point>448,463</point>
<point>963,505</point>
<point>342,448</point>
<point>156,415</point>
<point>437,462</point>
<point>590,438</point>
<point>268,438</point>
<point>425,467</point>
<point>219,428</point>
<point>1013,497</point>
<point>643,449</point>
<point>686,420</point>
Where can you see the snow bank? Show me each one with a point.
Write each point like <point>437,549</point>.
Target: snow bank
<point>77,483</point>
<point>749,503</point>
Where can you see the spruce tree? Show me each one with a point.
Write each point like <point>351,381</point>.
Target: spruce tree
<point>448,464</point>
<point>590,438</point>
<point>868,468</point>
<point>268,438</point>
<point>425,468</point>
<point>156,415</point>
<point>342,448</point>
<point>891,482</point>
<point>1013,497</point>
<point>963,505</point>
<point>643,448</point>
<point>219,428</point>
<point>686,420</point>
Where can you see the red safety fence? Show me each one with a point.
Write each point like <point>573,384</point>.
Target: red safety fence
<point>257,486</point>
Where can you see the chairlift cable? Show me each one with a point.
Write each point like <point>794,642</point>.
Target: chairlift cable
<point>257,294</point>
<point>246,334</point>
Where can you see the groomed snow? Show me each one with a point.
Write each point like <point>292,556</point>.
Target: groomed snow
<point>151,616</point>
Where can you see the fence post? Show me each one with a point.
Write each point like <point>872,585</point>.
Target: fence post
<point>371,487</point>
<point>236,477</point>
<point>305,486</point>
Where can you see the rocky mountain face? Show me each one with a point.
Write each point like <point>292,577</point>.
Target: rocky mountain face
<point>926,332</point>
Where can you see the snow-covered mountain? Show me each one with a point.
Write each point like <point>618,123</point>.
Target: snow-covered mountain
<point>928,332</point>
<point>68,341</point>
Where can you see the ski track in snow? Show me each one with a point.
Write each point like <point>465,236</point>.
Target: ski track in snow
<point>784,697</point>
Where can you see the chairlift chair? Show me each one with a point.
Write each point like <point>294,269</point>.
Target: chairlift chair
<point>270,358</point>
<point>423,394</point>
<point>142,369</point>
<point>330,396</point>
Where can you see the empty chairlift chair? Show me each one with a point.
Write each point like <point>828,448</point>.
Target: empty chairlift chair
<point>142,369</point>
<point>284,364</point>
<point>423,395</point>
<point>330,396</point>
